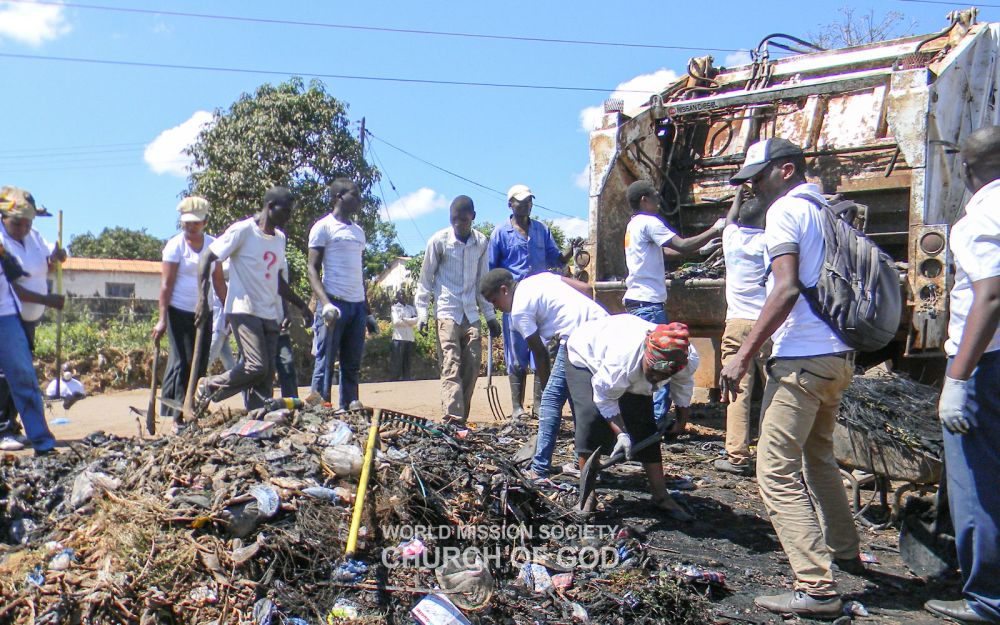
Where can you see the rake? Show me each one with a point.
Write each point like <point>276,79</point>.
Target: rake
<point>492,394</point>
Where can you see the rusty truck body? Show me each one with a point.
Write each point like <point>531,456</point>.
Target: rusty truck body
<point>879,124</point>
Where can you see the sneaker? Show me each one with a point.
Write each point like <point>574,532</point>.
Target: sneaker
<point>800,603</point>
<point>9,443</point>
<point>727,466</point>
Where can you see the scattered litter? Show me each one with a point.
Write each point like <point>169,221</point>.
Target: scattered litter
<point>337,433</point>
<point>350,571</point>
<point>562,581</point>
<point>89,482</point>
<point>696,574</point>
<point>412,549</point>
<point>267,500</point>
<point>59,421</point>
<point>855,608</point>
<point>36,577</point>
<point>869,558</point>
<point>249,428</point>
<point>263,612</point>
<point>343,609</point>
<point>61,561</point>
<point>438,610</point>
<point>535,577</point>
<point>344,460</point>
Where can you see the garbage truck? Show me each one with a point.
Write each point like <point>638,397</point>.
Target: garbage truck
<point>880,125</point>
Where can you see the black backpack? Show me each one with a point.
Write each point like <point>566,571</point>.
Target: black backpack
<point>858,291</point>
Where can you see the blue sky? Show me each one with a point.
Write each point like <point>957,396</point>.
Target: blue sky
<point>101,142</point>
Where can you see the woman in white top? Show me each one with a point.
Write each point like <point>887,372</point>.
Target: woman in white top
<point>31,291</point>
<point>178,297</point>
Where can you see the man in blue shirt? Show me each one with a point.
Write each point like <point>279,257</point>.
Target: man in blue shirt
<point>524,247</point>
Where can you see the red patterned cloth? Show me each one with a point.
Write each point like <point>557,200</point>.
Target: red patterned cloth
<point>666,348</point>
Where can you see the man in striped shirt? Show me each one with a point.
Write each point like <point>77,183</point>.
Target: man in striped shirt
<point>454,263</point>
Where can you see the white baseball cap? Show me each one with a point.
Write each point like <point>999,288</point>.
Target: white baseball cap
<point>519,192</point>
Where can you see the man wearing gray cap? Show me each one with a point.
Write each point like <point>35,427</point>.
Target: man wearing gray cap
<point>809,368</point>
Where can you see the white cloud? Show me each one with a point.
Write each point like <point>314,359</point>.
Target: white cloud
<point>582,179</point>
<point>31,23</point>
<point>741,57</point>
<point>165,155</point>
<point>634,93</point>
<point>413,205</point>
<point>573,226</point>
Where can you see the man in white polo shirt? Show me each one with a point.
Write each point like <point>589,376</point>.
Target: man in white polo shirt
<point>743,250</point>
<point>810,367</point>
<point>648,241</point>
<point>336,245</point>
<point>544,308</point>
<point>970,400</point>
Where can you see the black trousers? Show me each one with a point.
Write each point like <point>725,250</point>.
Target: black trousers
<point>9,424</point>
<point>400,359</point>
<point>593,431</point>
<point>181,333</point>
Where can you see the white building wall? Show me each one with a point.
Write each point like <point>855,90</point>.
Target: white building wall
<point>94,283</point>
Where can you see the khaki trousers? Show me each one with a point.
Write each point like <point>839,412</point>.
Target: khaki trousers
<point>738,412</point>
<point>797,474</point>
<point>461,354</point>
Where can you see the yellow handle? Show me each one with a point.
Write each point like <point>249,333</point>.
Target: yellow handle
<point>359,501</point>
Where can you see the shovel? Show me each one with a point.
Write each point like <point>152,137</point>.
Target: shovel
<point>150,411</point>
<point>188,411</point>
<point>593,466</point>
<point>492,394</point>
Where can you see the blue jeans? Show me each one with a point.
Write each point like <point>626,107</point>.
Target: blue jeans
<point>345,342</point>
<point>554,397</point>
<point>15,361</point>
<point>973,462</point>
<point>653,313</point>
<point>515,350</point>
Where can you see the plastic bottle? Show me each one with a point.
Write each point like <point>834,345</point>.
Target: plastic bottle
<point>291,403</point>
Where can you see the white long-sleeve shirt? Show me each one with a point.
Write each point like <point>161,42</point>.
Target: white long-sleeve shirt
<point>611,349</point>
<point>451,273</point>
<point>404,319</point>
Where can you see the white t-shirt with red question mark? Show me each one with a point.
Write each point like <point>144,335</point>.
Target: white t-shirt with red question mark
<point>255,261</point>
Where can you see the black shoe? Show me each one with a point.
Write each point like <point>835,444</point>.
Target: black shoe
<point>854,565</point>
<point>958,610</point>
<point>45,452</point>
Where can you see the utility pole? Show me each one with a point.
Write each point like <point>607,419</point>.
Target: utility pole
<point>362,137</point>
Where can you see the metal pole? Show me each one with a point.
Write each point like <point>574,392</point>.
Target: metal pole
<point>59,315</point>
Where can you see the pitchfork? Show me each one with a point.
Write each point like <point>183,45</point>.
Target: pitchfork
<point>491,391</point>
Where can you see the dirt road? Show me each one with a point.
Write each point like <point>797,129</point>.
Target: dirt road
<point>110,412</point>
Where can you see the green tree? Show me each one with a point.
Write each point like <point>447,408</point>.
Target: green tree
<point>294,135</point>
<point>117,243</point>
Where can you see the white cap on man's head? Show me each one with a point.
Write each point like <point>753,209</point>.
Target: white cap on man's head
<point>519,192</point>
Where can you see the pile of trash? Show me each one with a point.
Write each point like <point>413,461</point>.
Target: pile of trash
<point>893,410</point>
<point>239,520</point>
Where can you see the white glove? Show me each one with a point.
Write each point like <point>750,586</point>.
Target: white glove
<point>720,224</point>
<point>710,247</point>
<point>330,314</point>
<point>951,406</point>
<point>623,445</point>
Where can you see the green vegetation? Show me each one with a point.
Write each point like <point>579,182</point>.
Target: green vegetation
<point>117,243</point>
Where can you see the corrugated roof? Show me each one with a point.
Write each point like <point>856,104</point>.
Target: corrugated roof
<point>112,264</point>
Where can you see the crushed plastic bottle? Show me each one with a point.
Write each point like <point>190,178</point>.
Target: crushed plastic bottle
<point>855,608</point>
<point>350,571</point>
<point>62,560</point>
<point>343,609</point>
<point>695,574</point>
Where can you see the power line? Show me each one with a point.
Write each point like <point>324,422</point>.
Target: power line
<point>407,31</point>
<point>952,4</point>
<point>68,148</point>
<point>402,202</point>
<point>461,177</point>
<point>238,70</point>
